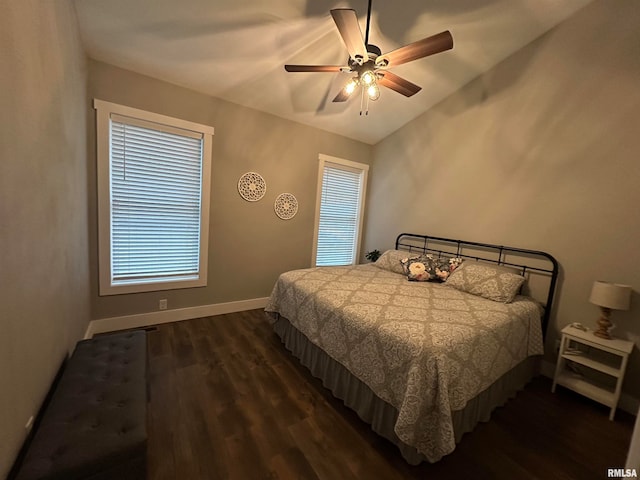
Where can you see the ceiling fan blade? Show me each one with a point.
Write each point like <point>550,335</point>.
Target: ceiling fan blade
<point>313,68</point>
<point>422,48</point>
<point>347,22</point>
<point>342,96</point>
<point>399,84</point>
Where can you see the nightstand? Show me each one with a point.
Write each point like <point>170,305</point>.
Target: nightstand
<point>586,350</point>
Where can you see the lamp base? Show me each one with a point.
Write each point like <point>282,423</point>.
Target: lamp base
<point>604,324</point>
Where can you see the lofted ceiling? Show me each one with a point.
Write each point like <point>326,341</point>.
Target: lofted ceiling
<point>236,50</point>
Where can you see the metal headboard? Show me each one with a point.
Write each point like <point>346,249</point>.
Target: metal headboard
<point>525,260</point>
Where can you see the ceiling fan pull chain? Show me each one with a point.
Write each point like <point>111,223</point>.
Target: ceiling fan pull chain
<point>364,103</point>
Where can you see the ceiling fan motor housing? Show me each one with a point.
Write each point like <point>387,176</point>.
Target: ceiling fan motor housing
<point>373,52</point>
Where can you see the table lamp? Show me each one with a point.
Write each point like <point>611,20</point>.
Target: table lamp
<point>609,296</point>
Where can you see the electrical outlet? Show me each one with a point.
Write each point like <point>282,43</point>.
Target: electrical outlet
<point>29,423</point>
<point>162,304</point>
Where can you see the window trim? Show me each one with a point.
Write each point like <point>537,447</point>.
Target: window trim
<point>104,110</point>
<point>363,168</point>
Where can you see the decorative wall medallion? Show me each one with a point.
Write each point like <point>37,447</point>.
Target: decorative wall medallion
<point>252,186</point>
<point>286,206</point>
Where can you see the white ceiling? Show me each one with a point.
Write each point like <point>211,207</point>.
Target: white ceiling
<point>236,49</point>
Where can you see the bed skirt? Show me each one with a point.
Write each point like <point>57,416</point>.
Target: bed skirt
<point>381,415</point>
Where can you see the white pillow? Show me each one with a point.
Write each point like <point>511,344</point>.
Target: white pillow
<point>396,260</point>
<point>489,281</point>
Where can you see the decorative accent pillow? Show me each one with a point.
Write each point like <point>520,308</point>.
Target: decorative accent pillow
<point>444,266</point>
<point>405,262</point>
<point>429,268</point>
<point>421,269</point>
<point>489,281</point>
<point>392,260</point>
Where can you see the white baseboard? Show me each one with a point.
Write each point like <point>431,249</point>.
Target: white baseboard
<point>627,403</point>
<point>103,325</point>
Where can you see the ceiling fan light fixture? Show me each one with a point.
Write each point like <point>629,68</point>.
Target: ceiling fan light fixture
<point>350,87</point>
<point>373,92</point>
<point>368,77</point>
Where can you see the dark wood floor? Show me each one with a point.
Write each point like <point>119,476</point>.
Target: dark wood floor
<point>229,402</point>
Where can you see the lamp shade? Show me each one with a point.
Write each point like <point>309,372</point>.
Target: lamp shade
<point>611,295</point>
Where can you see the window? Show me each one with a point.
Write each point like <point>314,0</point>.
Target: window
<point>153,200</point>
<point>339,211</point>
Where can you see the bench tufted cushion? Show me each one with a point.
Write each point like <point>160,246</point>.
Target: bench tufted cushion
<point>95,424</point>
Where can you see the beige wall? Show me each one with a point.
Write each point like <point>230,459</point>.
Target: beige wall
<point>541,152</point>
<point>248,245</point>
<point>44,277</point>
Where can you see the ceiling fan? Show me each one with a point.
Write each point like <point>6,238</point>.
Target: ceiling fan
<point>368,63</point>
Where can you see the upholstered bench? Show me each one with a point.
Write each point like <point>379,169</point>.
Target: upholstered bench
<point>95,424</point>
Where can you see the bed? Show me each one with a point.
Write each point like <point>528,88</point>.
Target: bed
<point>422,362</point>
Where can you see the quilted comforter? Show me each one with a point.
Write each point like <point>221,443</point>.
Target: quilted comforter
<point>424,348</point>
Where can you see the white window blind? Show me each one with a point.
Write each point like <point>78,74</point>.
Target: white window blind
<point>339,216</point>
<point>153,200</point>
<point>156,179</point>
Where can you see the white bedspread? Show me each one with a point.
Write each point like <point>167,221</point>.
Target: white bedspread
<point>425,348</point>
